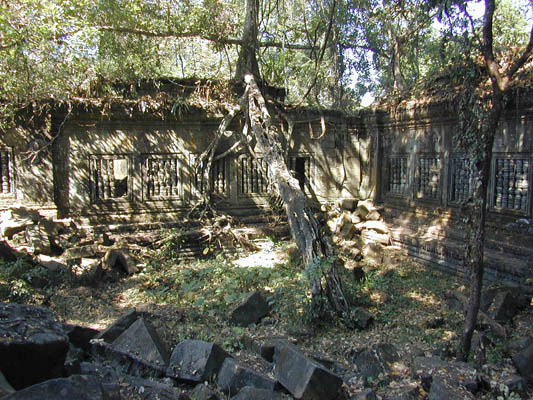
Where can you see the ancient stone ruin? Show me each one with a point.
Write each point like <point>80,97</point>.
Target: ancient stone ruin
<point>41,358</point>
<point>131,162</point>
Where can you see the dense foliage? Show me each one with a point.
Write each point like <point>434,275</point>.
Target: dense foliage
<point>339,50</point>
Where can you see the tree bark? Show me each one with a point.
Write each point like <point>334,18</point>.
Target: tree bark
<point>321,268</point>
<point>500,84</point>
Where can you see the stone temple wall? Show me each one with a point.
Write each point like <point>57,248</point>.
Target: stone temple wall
<point>139,168</point>
<point>424,182</point>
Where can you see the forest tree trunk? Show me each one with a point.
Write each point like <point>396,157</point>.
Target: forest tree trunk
<point>476,241</point>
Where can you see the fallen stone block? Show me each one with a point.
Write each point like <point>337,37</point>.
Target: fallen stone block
<point>6,252</point>
<point>249,310</point>
<point>89,251</point>
<point>349,204</point>
<point>203,392</point>
<point>233,377</point>
<point>369,236</point>
<point>5,387</point>
<point>133,387</point>
<point>125,362</point>
<point>114,330</point>
<point>524,362</point>
<point>73,387</point>
<point>17,219</point>
<point>302,377</point>
<point>142,340</point>
<point>120,259</point>
<point>196,361</point>
<point>33,345</point>
<point>376,360</point>
<point>80,336</point>
<point>443,388</point>
<point>38,240</point>
<point>264,346</point>
<point>452,373</point>
<point>378,226</point>
<point>252,393</point>
<point>504,307</point>
<point>52,264</point>
<point>373,215</point>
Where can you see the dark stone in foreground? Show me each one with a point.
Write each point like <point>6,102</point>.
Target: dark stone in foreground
<point>524,362</point>
<point>134,387</point>
<point>80,336</point>
<point>453,377</point>
<point>114,330</point>
<point>264,346</point>
<point>233,377</point>
<point>33,345</point>
<point>251,393</point>
<point>79,387</point>
<point>249,310</point>
<point>125,362</point>
<point>444,388</point>
<point>141,339</point>
<point>203,392</point>
<point>302,377</point>
<point>5,387</point>
<point>376,360</point>
<point>196,361</point>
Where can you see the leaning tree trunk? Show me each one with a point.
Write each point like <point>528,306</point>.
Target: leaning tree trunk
<point>476,241</point>
<point>321,268</point>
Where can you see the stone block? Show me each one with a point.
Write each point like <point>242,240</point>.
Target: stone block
<point>376,360</point>
<point>5,387</point>
<point>120,259</point>
<point>196,361</point>
<point>203,392</point>
<point>378,226</point>
<point>133,387</point>
<point>114,330</point>
<point>33,344</point>
<point>524,362</point>
<point>451,373</point>
<point>142,340</point>
<point>73,387</point>
<point>38,240</point>
<point>443,388</point>
<point>252,393</point>
<point>17,219</point>
<point>80,336</point>
<point>302,377</point>
<point>249,310</point>
<point>88,251</point>
<point>233,377</point>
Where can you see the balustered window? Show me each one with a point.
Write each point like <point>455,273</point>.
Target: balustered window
<point>162,177</point>
<point>110,177</point>
<point>6,171</point>
<point>219,181</point>
<point>461,180</point>
<point>511,184</point>
<point>428,178</point>
<point>397,175</point>
<point>253,178</point>
<point>300,166</point>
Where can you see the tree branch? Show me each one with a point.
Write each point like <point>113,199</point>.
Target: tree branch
<point>528,51</point>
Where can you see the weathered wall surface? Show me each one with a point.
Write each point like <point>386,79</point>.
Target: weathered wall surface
<point>143,168</point>
<point>421,165</point>
<point>424,182</point>
<point>25,175</point>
